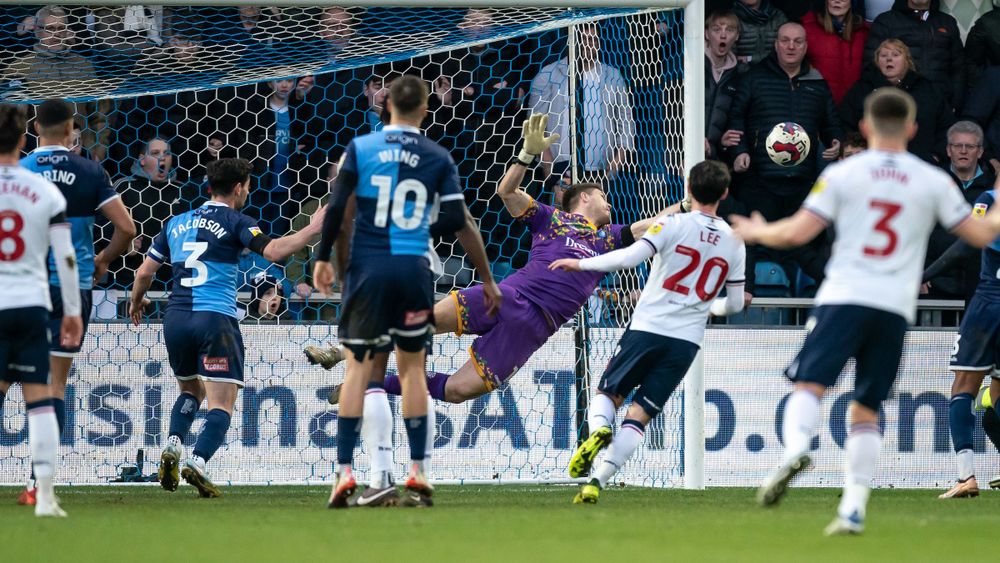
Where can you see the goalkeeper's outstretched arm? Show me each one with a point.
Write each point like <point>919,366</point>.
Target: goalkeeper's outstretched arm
<point>514,198</point>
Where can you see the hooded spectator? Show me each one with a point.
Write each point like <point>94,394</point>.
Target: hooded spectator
<point>759,23</point>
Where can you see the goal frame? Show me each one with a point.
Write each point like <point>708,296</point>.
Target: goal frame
<point>693,150</point>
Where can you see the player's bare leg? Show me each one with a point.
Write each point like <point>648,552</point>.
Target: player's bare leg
<point>800,419</point>
<point>962,423</point>
<point>864,440</point>
<point>601,421</point>
<point>622,446</point>
<point>43,438</point>
<point>445,321</point>
<point>182,415</point>
<point>352,397</point>
<point>221,399</point>
<point>413,380</point>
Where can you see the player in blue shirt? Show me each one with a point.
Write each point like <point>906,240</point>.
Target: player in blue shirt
<point>200,328</point>
<point>976,354</point>
<point>88,191</point>
<point>397,179</point>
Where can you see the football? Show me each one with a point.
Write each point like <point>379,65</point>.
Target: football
<point>788,144</point>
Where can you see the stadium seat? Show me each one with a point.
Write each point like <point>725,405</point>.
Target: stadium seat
<point>805,286</point>
<point>771,281</point>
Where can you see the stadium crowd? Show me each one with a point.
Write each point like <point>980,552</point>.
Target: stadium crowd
<point>767,62</point>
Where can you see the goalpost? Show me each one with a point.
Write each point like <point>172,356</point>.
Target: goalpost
<point>191,75</point>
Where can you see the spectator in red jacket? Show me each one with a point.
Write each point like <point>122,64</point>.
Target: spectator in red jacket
<point>836,44</point>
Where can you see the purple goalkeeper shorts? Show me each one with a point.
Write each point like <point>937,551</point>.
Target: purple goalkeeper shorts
<point>507,339</point>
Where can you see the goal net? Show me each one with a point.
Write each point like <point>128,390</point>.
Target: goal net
<point>162,91</point>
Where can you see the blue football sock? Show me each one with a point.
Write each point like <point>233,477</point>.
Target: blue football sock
<point>213,433</point>
<point>182,415</point>
<point>961,421</point>
<point>416,432</point>
<point>347,438</point>
<point>60,406</point>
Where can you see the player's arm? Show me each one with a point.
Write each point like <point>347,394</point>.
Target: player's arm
<point>472,241</point>
<point>279,249</point>
<point>734,300</point>
<point>789,232</point>
<point>143,279</point>
<point>158,253</point>
<point>639,227</point>
<point>621,259</point>
<point>343,189</point>
<point>957,252</point>
<point>69,280</point>
<point>515,199</point>
<point>121,238</point>
<point>979,233</point>
<point>342,246</point>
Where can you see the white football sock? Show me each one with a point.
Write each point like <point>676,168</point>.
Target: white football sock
<point>601,412</point>
<point>43,439</point>
<point>862,449</point>
<point>622,447</point>
<point>431,429</point>
<point>376,431</point>
<point>799,425</point>
<point>966,464</point>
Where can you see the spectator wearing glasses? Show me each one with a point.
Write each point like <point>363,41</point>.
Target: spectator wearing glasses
<point>973,177</point>
<point>50,64</point>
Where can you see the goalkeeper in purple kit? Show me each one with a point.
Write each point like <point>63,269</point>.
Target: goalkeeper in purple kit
<point>537,301</point>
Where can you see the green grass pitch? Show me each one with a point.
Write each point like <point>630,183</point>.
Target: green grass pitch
<point>493,523</point>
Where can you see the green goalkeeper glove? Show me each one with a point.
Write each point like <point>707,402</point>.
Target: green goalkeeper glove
<point>535,141</point>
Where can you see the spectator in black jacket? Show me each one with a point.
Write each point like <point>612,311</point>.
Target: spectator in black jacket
<point>983,107</point>
<point>783,88</point>
<point>934,41</point>
<point>965,153</point>
<point>153,194</point>
<point>982,46</point>
<point>895,68</point>
<point>722,70</point>
<point>759,23</point>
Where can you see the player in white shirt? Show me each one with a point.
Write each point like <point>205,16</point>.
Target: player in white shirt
<point>883,203</point>
<point>696,254</point>
<point>33,217</point>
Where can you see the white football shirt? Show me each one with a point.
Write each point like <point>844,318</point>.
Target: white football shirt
<point>28,202</point>
<point>884,206</point>
<point>696,255</point>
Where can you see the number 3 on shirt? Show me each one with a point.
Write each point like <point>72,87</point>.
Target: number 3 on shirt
<point>889,210</point>
<point>192,262</point>
<point>673,283</point>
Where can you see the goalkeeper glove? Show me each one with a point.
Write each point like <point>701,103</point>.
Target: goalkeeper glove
<point>535,141</point>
